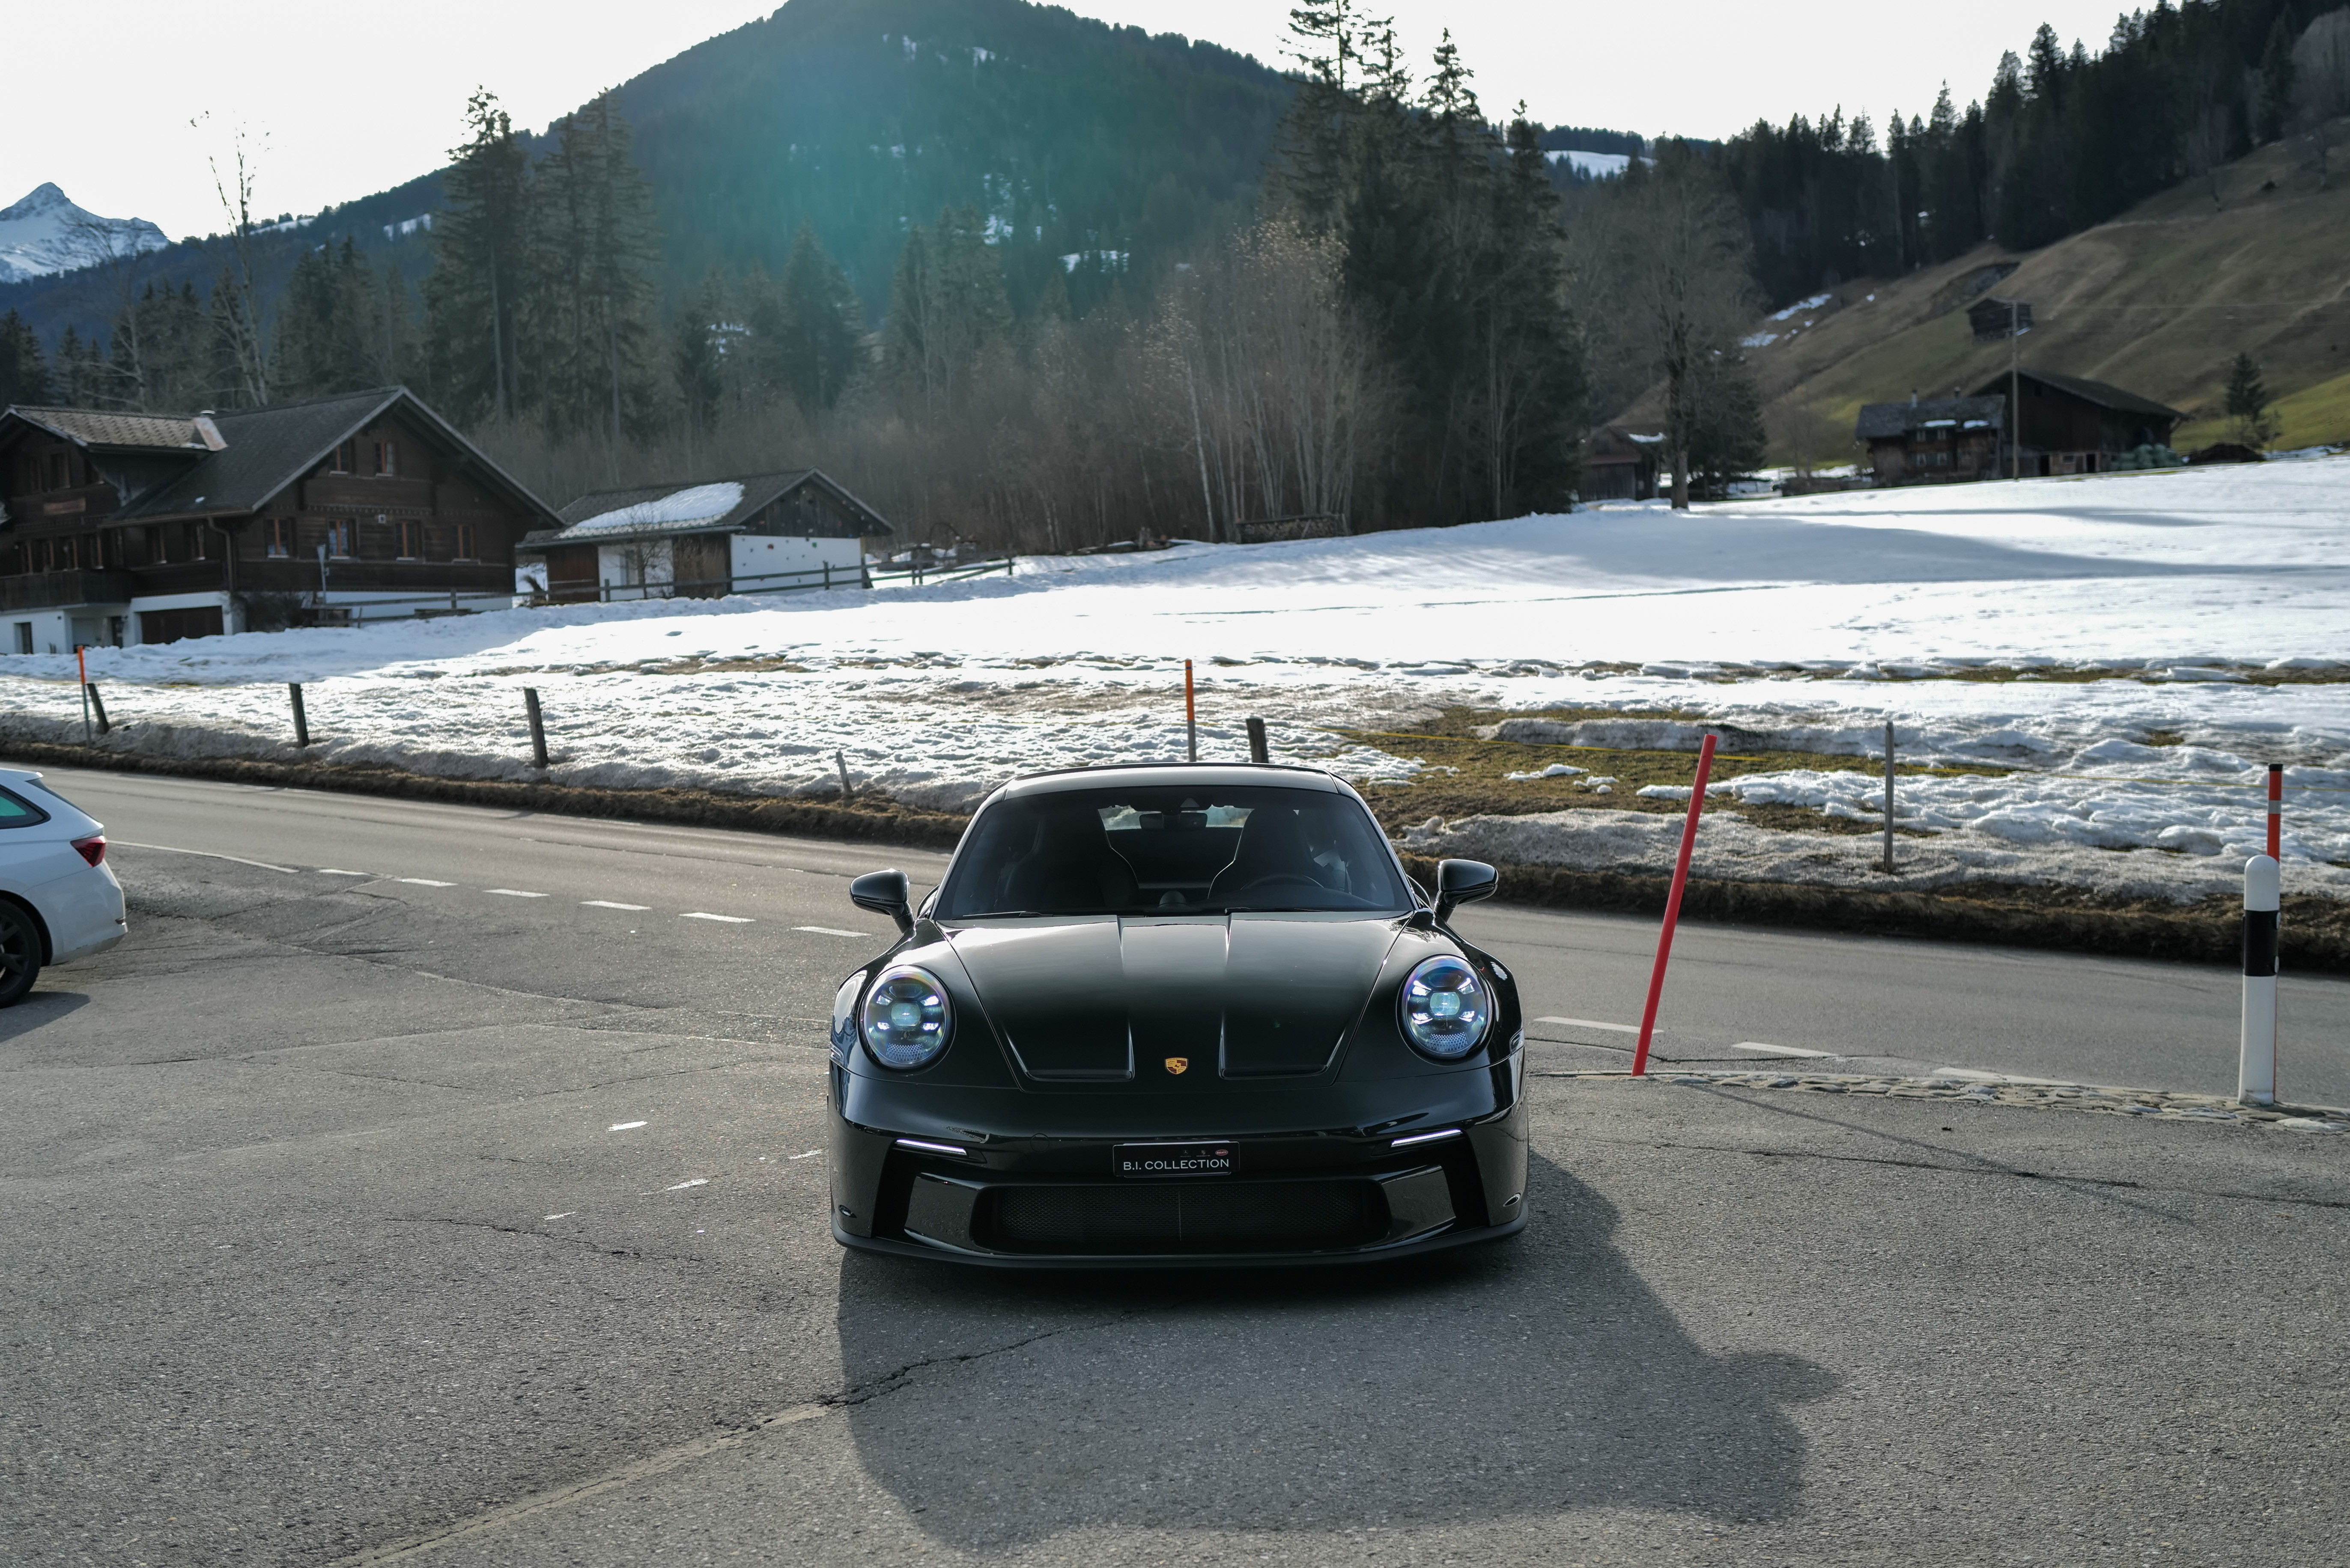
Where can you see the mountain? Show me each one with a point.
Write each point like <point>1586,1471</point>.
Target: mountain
<point>2158,301</point>
<point>46,233</point>
<point>1095,152</point>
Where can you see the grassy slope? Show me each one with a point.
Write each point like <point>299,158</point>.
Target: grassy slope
<point>2159,301</point>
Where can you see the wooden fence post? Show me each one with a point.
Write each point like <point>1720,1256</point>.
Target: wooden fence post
<point>1259,752</point>
<point>537,727</point>
<point>301,718</point>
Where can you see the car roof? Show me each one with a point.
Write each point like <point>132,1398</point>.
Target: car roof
<point>1174,775</point>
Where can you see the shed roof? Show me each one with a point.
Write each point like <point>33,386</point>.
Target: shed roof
<point>2103,394</point>
<point>1889,421</point>
<point>108,430</point>
<point>704,506</point>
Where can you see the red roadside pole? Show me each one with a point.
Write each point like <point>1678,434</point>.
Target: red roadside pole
<point>2276,811</point>
<point>1191,713</point>
<point>1673,908</point>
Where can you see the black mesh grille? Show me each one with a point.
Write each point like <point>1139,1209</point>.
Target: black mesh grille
<point>1219,1217</point>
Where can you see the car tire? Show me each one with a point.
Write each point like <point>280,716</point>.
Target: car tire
<point>20,953</point>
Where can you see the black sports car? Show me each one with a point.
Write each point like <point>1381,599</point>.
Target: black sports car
<point>1176,1014</point>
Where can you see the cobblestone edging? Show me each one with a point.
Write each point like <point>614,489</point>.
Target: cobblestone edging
<point>2158,1104</point>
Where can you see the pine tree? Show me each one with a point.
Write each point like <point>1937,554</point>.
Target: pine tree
<point>475,295</point>
<point>331,323</point>
<point>2248,404</point>
<point>697,354</point>
<point>818,326</point>
<point>947,308</point>
<point>24,370</point>
<point>589,326</point>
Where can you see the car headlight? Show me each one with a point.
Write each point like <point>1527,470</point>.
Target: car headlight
<point>1446,1008</point>
<point>906,1020</point>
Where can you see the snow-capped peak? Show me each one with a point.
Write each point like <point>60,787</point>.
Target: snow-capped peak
<point>45,232</point>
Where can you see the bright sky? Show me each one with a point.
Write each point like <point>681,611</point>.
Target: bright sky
<point>345,107</point>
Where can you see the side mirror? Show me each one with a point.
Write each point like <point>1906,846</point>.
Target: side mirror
<point>1459,882</point>
<point>886,893</point>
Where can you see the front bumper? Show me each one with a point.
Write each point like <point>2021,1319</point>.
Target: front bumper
<point>1335,1197</point>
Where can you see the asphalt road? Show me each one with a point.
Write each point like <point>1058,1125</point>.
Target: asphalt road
<point>354,1219</point>
<point>1732,995</point>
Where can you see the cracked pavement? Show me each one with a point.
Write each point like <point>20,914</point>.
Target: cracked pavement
<point>350,1222</point>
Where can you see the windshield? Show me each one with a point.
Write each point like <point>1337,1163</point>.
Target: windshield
<point>1178,850</point>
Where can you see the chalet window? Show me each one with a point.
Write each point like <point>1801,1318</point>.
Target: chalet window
<point>281,537</point>
<point>465,543</point>
<point>409,535</point>
<point>199,543</point>
<point>345,458</point>
<point>56,470</point>
<point>387,458</point>
<point>342,538</point>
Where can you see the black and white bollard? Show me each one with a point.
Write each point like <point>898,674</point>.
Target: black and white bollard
<point>2256,1074</point>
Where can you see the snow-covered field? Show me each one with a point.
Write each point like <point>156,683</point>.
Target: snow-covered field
<point>1810,619</point>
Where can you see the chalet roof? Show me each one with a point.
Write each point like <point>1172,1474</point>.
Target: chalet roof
<point>107,431</point>
<point>1615,445</point>
<point>706,506</point>
<point>1889,421</point>
<point>251,456</point>
<point>2098,392</point>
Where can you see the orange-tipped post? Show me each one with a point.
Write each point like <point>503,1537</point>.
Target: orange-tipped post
<point>1673,908</point>
<point>1191,712</point>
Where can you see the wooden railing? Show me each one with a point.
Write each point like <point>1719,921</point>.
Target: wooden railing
<point>48,590</point>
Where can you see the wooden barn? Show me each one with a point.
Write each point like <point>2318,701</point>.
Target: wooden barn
<point>754,533</point>
<point>134,528</point>
<point>1619,465</point>
<point>2069,424</point>
<point>1933,440</point>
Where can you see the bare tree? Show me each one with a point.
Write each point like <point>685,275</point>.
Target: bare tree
<point>1668,284</point>
<point>2321,86</point>
<point>240,318</point>
<point>103,242</point>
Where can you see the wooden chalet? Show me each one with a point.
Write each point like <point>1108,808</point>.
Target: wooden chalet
<point>153,528</point>
<point>1619,465</point>
<point>1933,440</point>
<point>753,534</point>
<point>2069,424</point>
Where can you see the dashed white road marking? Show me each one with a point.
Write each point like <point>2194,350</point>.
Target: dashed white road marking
<point>330,871</point>
<point>1594,1024</point>
<point>829,931</point>
<point>727,920</point>
<point>623,1126</point>
<point>513,893</point>
<point>1757,1045</point>
<point>422,882</point>
<point>207,854</point>
<point>809,1155</point>
<point>694,1182</point>
<point>566,1214</point>
<point>608,904</point>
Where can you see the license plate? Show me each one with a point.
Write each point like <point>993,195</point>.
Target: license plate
<point>1173,1160</point>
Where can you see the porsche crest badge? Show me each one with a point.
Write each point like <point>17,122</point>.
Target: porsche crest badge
<point>1176,1064</point>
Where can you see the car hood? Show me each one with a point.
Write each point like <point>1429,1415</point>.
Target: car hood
<point>1240,996</point>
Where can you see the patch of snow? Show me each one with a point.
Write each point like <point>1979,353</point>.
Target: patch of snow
<point>1758,339</point>
<point>1797,624</point>
<point>1592,165</point>
<point>1803,305</point>
<point>408,226</point>
<point>697,503</point>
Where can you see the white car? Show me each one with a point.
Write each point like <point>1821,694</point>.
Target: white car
<point>58,897</point>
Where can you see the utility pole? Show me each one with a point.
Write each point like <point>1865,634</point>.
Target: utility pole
<point>2014,390</point>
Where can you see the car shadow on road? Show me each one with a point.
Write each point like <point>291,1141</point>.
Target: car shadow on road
<point>1534,1376</point>
<point>39,1008</point>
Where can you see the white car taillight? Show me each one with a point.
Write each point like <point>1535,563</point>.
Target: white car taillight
<point>93,848</point>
